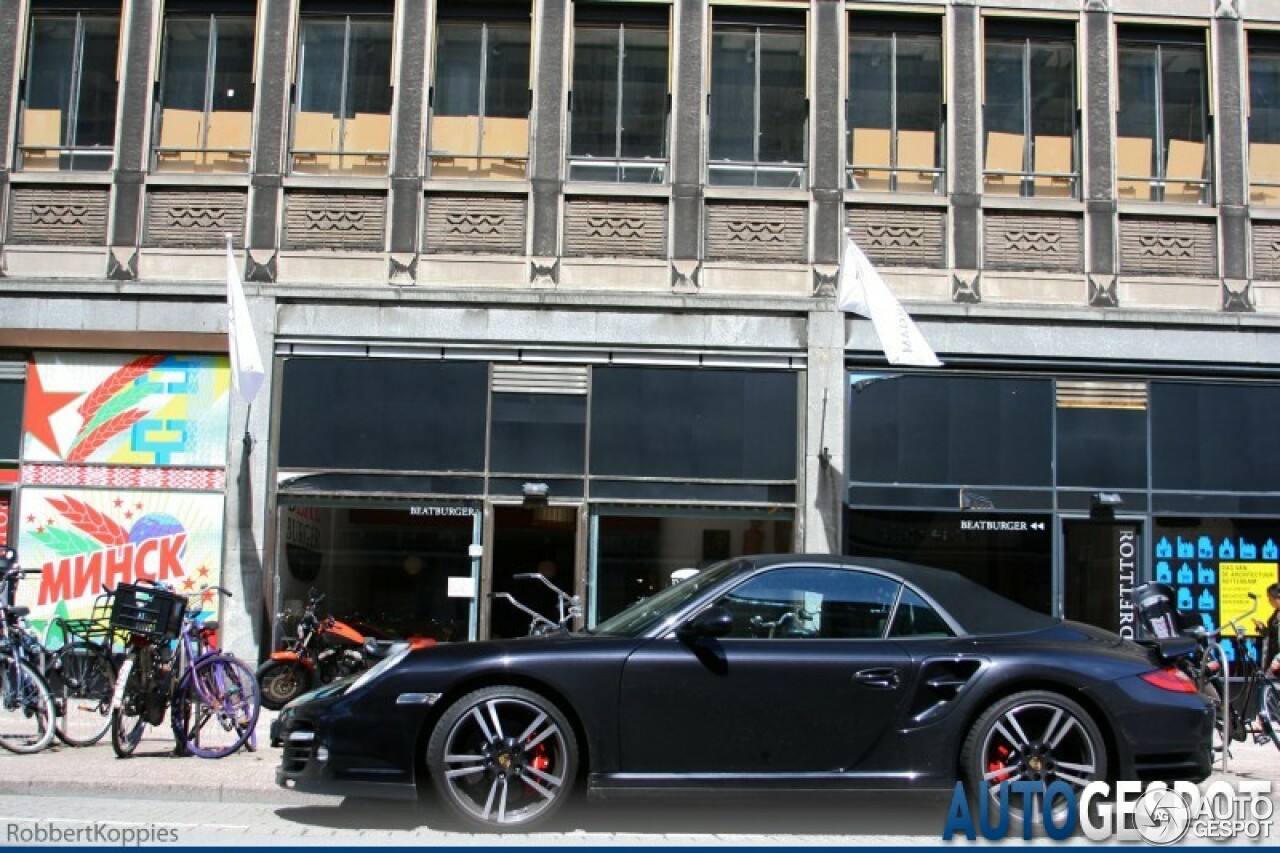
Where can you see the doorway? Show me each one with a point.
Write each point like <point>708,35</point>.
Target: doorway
<point>1100,567</point>
<point>541,540</point>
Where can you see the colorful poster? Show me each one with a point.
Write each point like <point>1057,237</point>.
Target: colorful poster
<point>118,409</point>
<point>84,540</point>
<point>1236,581</point>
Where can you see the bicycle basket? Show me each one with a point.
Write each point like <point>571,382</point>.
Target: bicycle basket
<point>146,610</point>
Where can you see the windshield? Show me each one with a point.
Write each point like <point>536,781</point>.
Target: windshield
<point>648,612</point>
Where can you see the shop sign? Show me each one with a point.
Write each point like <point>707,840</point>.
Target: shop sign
<point>83,540</point>
<point>1127,560</point>
<point>438,511</point>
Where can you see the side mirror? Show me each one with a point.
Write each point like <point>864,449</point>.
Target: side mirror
<point>713,622</point>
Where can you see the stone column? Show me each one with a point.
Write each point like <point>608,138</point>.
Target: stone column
<point>1232,184</point>
<point>965,116</point>
<point>1101,219</point>
<point>827,149</point>
<point>139,18</point>
<point>11,16</point>
<point>688,121</point>
<point>407,160</point>
<point>276,44</point>
<point>823,487</point>
<point>546,157</point>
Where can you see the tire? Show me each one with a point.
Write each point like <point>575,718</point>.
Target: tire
<point>26,707</point>
<point>81,680</point>
<point>216,707</point>
<point>281,681</point>
<point>1032,736</point>
<point>129,720</point>
<point>502,759</point>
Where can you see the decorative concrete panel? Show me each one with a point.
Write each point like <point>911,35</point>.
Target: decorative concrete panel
<point>900,236</point>
<point>1266,251</point>
<point>1179,247</point>
<point>615,228</point>
<point>330,220</point>
<point>757,233</point>
<point>1013,241</point>
<point>475,223</point>
<point>194,218</point>
<point>58,216</point>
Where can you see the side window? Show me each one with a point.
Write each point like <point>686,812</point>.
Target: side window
<point>915,618</point>
<point>799,603</point>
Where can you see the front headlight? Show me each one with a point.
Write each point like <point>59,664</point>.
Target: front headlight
<point>398,653</point>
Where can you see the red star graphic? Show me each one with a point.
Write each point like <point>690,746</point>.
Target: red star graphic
<point>119,503</point>
<point>31,519</point>
<point>204,572</point>
<point>40,529</point>
<point>138,507</point>
<point>128,516</point>
<point>188,584</point>
<point>207,595</point>
<point>40,406</point>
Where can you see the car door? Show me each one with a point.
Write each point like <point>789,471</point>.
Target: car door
<point>803,683</point>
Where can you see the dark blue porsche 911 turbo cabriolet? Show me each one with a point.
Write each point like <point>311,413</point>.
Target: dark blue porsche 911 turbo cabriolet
<point>780,671</point>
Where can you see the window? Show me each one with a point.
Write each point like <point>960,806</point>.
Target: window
<point>759,110</point>
<point>1162,126</point>
<point>204,118</point>
<point>342,120</point>
<point>481,97</point>
<point>1264,120</point>
<point>618,118</point>
<point>1030,113</point>
<point>895,119</point>
<point>915,618</point>
<point>69,111</point>
<point>800,603</point>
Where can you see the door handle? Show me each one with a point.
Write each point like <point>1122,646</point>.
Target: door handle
<point>884,677</point>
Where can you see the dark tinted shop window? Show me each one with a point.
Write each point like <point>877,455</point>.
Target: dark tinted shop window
<point>712,424</point>
<point>383,415</point>
<point>1010,554</point>
<point>11,394</point>
<point>1102,447</point>
<point>918,429</point>
<point>1215,437</point>
<point>538,434</point>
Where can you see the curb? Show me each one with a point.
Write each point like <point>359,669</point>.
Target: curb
<point>141,788</point>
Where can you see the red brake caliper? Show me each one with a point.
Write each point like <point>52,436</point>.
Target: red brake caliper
<point>1000,761</point>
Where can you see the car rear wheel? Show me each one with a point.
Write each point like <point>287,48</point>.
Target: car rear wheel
<point>1036,736</point>
<point>502,759</point>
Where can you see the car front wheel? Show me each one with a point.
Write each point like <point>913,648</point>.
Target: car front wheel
<point>502,759</point>
<point>1036,736</point>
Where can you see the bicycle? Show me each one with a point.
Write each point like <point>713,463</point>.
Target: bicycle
<point>172,666</point>
<point>568,607</point>
<point>79,676</point>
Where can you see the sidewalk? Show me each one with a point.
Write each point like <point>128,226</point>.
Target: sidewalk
<point>153,771</point>
<point>249,777</point>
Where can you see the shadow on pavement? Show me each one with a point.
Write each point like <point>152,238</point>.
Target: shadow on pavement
<point>814,814</point>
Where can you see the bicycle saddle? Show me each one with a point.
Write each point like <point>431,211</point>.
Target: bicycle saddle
<point>209,625</point>
<point>18,612</point>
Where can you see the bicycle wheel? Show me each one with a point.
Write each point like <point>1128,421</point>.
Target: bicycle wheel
<point>216,706</point>
<point>26,707</point>
<point>1270,713</point>
<point>129,719</point>
<point>81,680</point>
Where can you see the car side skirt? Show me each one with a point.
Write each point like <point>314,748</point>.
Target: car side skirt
<point>604,785</point>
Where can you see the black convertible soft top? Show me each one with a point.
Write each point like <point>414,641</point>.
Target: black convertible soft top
<point>977,609</point>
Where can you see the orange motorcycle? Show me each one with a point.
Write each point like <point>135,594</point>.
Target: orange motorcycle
<point>324,649</point>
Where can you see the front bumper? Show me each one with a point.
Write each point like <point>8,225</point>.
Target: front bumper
<point>318,758</point>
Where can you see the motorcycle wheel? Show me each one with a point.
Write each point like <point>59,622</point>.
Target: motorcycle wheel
<point>281,682</point>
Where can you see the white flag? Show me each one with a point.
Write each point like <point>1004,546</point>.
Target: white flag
<point>247,372</point>
<point>864,292</point>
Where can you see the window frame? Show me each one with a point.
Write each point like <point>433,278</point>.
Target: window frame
<point>474,162</point>
<point>1027,178</point>
<point>62,156</point>
<point>1264,185</point>
<point>1157,41</point>
<point>236,157</point>
<point>757,169</point>
<point>899,178</point>
<point>844,578</point>
<point>341,161</point>
<point>655,166</point>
